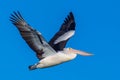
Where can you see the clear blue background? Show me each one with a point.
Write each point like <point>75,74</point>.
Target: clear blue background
<point>97,32</point>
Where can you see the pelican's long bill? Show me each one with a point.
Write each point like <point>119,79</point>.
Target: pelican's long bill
<point>80,52</point>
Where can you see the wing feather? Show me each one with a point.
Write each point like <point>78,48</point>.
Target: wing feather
<point>32,37</point>
<point>65,30</point>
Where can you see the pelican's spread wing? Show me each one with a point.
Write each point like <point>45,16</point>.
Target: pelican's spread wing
<point>66,31</point>
<point>32,37</point>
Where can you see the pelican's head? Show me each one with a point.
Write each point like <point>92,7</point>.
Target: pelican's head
<point>73,51</point>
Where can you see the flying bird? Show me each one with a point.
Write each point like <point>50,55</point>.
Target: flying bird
<point>49,53</point>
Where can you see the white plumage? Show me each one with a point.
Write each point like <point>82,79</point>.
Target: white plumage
<point>55,59</point>
<point>65,36</point>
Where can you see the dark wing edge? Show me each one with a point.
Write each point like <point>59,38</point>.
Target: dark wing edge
<point>68,25</point>
<point>32,37</point>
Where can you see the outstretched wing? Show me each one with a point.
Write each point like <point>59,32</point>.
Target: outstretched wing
<point>32,37</point>
<point>66,31</point>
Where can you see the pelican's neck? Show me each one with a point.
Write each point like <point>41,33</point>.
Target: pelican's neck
<point>70,55</point>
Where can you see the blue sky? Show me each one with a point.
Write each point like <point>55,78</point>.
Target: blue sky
<point>97,32</point>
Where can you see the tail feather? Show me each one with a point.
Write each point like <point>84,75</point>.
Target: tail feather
<point>32,67</point>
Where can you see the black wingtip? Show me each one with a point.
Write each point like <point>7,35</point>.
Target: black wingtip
<point>71,15</point>
<point>15,17</point>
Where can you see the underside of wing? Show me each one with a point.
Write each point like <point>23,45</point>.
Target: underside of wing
<point>32,37</point>
<point>66,31</point>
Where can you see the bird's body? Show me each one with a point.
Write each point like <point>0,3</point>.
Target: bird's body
<point>49,53</point>
<point>55,59</point>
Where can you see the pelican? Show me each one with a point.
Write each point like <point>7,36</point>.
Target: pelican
<point>49,53</point>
